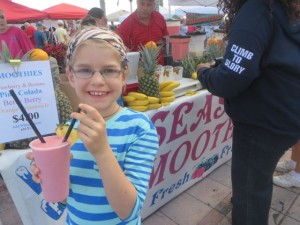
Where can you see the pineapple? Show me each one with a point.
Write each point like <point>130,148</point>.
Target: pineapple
<point>64,108</point>
<point>189,63</point>
<point>213,51</point>
<point>148,81</point>
<point>61,131</point>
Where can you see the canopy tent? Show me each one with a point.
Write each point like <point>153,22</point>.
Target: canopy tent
<point>200,15</point>
<point>116,15</point>
<point>193,2</point>
<point>16,13</point>
<point>65,11</point>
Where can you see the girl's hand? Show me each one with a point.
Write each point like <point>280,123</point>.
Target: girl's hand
<point>34,169</point>
<point>92,129</point>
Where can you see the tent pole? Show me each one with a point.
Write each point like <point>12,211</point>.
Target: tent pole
<point>130,6</point>
<point>102,5</point>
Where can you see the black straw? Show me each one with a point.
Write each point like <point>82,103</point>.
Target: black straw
<point>15,97</point>
<point>70,127</point>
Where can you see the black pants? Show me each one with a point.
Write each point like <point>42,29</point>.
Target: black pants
<point>253,164</point>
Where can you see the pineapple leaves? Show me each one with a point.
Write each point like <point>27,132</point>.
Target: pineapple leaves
<point>6,56</point>
<point>149,58</point>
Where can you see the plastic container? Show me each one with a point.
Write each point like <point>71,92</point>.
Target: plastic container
<point>196,45</point>
<point>173,27</point>
<point>180,46</point>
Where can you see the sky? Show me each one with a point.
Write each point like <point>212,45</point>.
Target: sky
<point>111,5</point>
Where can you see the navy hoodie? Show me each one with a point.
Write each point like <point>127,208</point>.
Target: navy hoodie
<point>259,77</point>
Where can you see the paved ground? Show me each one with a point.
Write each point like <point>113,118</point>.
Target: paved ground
<point>205,203</point>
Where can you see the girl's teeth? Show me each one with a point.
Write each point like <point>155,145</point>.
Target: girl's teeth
<point>96,93</point>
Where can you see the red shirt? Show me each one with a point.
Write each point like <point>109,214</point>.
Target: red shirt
<point>30,32</point>
<point>134,33</point>
<point>17,41</point>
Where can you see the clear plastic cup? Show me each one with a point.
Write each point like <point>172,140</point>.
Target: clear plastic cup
<point>177,72</point>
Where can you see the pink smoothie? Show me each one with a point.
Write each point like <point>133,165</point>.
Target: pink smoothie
<point>53,160</point>
<point>52,141</point>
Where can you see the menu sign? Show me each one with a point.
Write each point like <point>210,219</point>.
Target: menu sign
<point>32,83</point>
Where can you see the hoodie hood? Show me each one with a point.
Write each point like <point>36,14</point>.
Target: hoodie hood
<point>291,28</point>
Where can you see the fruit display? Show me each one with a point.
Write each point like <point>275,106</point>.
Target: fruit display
<point>141,102</point>
<point>166,92</point>
<point>189,63</point>
<point>147,80</point>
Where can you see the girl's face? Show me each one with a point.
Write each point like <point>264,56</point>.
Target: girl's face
<point>97,91</point>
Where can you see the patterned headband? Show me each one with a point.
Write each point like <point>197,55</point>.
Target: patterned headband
<point>97,33</point>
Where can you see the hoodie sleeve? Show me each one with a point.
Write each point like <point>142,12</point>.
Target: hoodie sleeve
<point>241,61</point>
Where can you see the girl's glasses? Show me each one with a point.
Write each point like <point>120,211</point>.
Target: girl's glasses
<point>86,73</point>
<point>2,17</point>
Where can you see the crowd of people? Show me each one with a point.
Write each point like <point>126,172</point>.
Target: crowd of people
<point>258,78</point>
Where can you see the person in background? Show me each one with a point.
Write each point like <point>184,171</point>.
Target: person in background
<point>29,30</point>
<point>142,26</point>
<point>208,35</point>
<point>40,36</point>
<point>87,22</point>
<point>96,16</point>
<point>290,168</point>
<point>259,80</point>
<point>183,26</point>
<point>61,33</point>
<point>120,144</point>
<point>15,39</point>
<point>52,38</point>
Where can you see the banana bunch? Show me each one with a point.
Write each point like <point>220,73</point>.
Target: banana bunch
<point>141,102</point>
<point>166,92</point>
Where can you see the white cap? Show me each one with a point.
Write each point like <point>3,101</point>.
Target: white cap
<point>60,22</point>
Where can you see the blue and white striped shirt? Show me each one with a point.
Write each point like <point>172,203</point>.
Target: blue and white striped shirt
<point>134,141</point>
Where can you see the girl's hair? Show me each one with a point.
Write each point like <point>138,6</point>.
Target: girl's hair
<point>100,33</point>
<point>103,44</point>
<point>231,7</point>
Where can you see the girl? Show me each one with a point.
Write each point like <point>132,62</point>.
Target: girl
<point>113,158</point>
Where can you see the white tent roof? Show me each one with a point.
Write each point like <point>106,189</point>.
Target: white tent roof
<point>193,2</point>
<point>181,11</point>
<point>116,15</point>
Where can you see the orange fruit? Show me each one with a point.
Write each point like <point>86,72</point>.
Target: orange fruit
<point>151,44</point>
<point>38,54</point>
<point>213,41</point>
